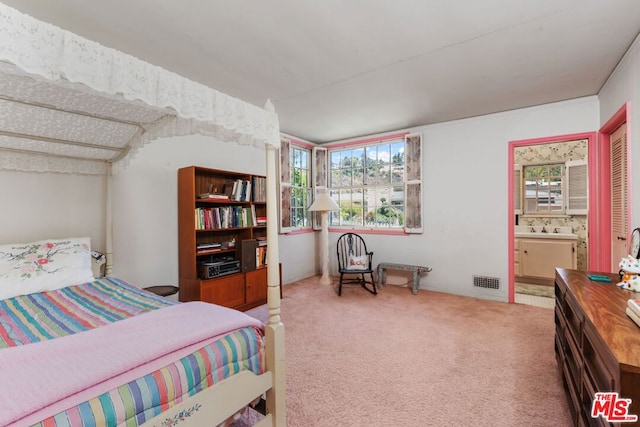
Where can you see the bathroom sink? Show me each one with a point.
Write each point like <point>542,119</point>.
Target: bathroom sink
<point>568,236</point>
<point>544,232</point>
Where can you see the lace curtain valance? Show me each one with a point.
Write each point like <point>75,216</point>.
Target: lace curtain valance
<point>159,103</point>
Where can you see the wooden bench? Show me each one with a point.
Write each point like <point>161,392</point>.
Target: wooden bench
<point>415,269</point>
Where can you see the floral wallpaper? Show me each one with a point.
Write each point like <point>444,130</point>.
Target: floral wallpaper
<point>552,153</point>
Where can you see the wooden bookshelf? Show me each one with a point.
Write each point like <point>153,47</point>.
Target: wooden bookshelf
<point>214,230</point>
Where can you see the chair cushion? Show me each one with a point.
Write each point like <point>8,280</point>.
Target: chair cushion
<point>358,262</point>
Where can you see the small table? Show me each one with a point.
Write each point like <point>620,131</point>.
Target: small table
<point>415,269</point>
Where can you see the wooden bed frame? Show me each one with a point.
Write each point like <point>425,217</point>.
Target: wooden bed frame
<point>215,404</point>
<point>30,54</point>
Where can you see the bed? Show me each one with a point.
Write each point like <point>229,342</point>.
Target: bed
<point>69,105</point>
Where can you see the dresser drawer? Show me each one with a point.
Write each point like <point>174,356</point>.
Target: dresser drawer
<point>574,399</point>
<point>573,360</point>
<point>588,392</point>
<point>560,338</point>
<point>574,318</point>
<point>598,362</point>
<point>559,294</point>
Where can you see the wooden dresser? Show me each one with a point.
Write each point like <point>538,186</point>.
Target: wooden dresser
<point>597,345</point>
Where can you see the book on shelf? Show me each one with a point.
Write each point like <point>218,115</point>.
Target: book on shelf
<point>223,217</point>
<point>254,220</point>
<point>200,247</point>
<point>246,194</point>
<point>241,190</point>
<point>261,256</point>
<point>259,189</point>
<point>633,315</point>
<point>211,196</point>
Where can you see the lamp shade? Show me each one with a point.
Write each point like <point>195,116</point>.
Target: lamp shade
<point>323,202</point>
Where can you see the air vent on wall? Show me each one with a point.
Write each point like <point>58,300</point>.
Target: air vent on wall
<point>486,282</point>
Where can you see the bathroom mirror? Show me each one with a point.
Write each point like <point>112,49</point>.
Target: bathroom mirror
<point>634,243</point>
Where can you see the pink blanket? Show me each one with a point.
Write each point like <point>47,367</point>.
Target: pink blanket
<point>39,380</point>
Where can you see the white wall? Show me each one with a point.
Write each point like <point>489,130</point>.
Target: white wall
<point>624,86</point>
<point>457,243</point>
<point>36,206</point>
<point>465,181</point>
<point>145,208</point>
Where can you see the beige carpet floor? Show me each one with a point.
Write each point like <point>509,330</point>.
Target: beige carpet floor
<point>432,359</point>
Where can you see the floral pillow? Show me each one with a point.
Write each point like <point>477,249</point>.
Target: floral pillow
<point>45,265</point>
<point>358,262</point>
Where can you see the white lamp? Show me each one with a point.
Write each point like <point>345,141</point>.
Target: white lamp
<point>323,204</point>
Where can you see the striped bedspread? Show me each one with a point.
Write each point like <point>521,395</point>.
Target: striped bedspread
<point>38,317</point>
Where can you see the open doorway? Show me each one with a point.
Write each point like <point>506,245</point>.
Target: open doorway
<point>548,218</point>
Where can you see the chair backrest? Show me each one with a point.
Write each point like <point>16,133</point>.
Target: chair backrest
<point>351,244</point>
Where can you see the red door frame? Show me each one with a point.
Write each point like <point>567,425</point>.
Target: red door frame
<point>591,166</point>
<point>602,259</point>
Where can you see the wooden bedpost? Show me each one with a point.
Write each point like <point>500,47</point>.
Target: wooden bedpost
<point>108,242</point>
<point>274,333</point>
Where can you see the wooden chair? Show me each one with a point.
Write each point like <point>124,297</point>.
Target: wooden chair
<point>354,259</point>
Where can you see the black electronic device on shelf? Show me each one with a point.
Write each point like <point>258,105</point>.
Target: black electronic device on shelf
<point>209,270</point>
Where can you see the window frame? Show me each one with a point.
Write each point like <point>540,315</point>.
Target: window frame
<point>409,185</point>
<point>305,191</point>
<point>562,176</point>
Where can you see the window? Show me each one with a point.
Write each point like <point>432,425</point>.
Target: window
<point>368,183</point>
<point>543,188</point>
<point>377,185</point>
<point>300,180</point>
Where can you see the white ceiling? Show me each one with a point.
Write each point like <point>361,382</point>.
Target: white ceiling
<point>338,69</point>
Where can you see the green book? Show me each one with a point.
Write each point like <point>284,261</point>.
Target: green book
<point>599,278</point>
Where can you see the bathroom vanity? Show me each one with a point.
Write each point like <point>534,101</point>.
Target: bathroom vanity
<point>539,250</point>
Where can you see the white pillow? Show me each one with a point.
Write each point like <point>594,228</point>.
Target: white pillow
<point>358,262</point>
<point>45,265</point>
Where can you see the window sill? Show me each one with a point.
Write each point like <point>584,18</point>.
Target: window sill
<point>541,215</point>
<point>389,232</point>
<point>299,231</point>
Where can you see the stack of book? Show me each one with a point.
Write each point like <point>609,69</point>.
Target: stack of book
<point>633,310</point>
<point>261,251</point>
<point>259,189</point>
<point>207,246</point>
<point>238,190</point>
<point>223,217</point>
<point>213,196</point>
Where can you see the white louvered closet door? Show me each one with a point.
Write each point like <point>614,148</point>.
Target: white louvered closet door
<point>619,232</point>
